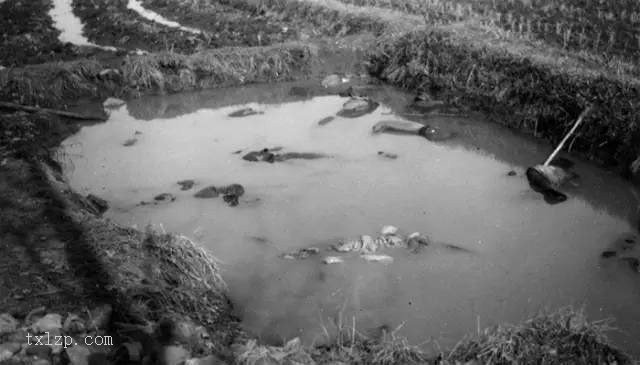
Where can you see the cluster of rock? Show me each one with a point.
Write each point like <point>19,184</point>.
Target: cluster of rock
<point>78,339</point>
<point>367,246</point>
<point>230,193</point>
<point>50,338</point>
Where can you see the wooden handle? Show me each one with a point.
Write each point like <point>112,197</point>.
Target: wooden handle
<point>564,140</point>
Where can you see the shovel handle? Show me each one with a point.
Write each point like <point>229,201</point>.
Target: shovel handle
<point>564,140</point>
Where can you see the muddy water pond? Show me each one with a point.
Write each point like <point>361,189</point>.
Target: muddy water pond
<point>517,254</point>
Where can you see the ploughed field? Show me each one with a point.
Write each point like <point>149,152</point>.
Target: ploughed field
<point>310,188</point>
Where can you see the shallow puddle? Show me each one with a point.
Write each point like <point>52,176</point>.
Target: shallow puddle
<point>524,255</point>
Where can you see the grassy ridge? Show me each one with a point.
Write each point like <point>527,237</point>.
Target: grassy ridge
<point>517,92</point>
<point>52,84</point>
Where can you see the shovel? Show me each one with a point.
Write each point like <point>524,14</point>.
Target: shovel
<point>545,178</point>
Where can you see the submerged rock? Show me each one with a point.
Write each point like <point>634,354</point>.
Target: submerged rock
<point>391,156</point>
<point>232,200</point>
<point>332,260</point>
<point>357,107</point>
<point>436,134</point>
<point>267,155</point>
<point>263,155</point>
<point>245,112</point>
<point>301,254</point>
<point>186,184</point>
<point>164,197</point>
<point>416,241</point>
<point>130,142</point>
<point>385,259</point>
<point>511,173</point>
<point>299,156</point>
<point>208,192</point>
<point>327,120</point>
<point>233,189</point>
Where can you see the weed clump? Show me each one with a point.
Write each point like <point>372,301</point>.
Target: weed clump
<point>563,337</point>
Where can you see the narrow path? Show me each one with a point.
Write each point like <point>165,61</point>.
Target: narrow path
<point>136,5</point>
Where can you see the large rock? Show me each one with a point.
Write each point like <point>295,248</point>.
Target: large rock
<point>113,103</point>
<point>52,322</point>
<point>7,350</point>
<point>78,355</point>
<point>330,81</point>
<point>73,324</point>
<point>173,355</point>
<point>8,324</point>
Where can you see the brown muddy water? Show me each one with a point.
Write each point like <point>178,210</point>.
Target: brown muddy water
<point>524,255</point>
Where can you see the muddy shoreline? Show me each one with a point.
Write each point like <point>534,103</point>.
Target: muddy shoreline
<point>52,224</point>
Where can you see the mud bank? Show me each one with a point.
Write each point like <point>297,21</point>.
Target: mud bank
<point>53,84</point>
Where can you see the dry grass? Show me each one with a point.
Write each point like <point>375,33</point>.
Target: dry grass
<point>52,84</point>
<point>562,337</point>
